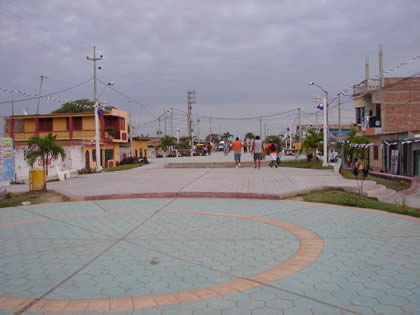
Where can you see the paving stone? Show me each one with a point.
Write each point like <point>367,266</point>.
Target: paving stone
<point>367,263</point>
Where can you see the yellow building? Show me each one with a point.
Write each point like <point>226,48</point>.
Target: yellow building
<point>75,130</point>
<point>140,147</point>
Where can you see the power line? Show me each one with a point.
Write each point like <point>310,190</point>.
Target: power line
<point>54,93</point>
<point>128,97</point>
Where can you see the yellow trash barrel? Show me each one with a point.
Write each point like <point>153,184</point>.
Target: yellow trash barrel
<point>37,179</point>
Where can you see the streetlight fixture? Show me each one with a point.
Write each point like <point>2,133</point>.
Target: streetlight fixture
<point>97,144</point>
<point>325,128</point>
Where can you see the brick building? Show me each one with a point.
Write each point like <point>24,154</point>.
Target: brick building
<point>388,113</point>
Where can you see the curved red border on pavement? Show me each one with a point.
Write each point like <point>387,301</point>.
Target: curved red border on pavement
<point>310,248</point>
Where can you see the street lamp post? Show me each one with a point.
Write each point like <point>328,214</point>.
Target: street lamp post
<point>325,127</point>
<point>97,144</point>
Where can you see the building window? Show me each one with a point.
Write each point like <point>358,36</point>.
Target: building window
<point>45,124</point>
<point>378,115</point>
<point>375,152</point>
<point>94,155</point>
<point>360,115</point>
<point>77,123</point>
<point>19,125</point>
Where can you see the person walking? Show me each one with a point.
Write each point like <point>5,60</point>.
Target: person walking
<point>272,148</point>
<point>237,146</point>
<point>257,150</point>
<point>226,148</point>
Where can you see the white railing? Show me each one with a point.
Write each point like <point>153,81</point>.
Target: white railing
<point>367,86</point>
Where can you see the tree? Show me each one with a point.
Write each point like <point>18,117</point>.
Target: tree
<point>165,143</point>
<point>227,135</point>
<point>214,137</point>
<point>42,147</point>
<point>313,141</point>
<point>349,151</point>
<point>184,143</point>
<point>249,135</point>
<point>78,106</point>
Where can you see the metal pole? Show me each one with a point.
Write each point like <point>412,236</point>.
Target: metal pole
<point>172,122</point>
<point>166,119</point>
<point>261,129</point>
<point>325,161</point>
<point>13,108</point>
<point>97,144</point>
<point>339,115</point>
<point>300,131</point>
<point>39,95</point>
<point>98,152</point>
<point>210,130</point>
<point>131,129</point>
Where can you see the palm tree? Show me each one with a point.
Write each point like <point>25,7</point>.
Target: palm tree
<point>42,147</point>
<point>313,141</point>
<point>227,135</point>
<point>165,143</point>
<point>249,135</point>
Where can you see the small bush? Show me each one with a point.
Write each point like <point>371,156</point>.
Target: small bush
<point>17,182</point>
<point>129,160</point>
<point>86,171</point>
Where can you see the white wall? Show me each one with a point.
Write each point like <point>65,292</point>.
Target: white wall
<point>73,161</point>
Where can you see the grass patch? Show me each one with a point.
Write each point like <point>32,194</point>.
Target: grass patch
<point>35,197</point>
<point>343,198</point>
<point>123,167</point>
<point>317,165</point>
<point>392,183</point>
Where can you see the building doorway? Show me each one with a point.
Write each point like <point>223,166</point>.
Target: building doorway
<point>87,160</point>
<point>417,163</point>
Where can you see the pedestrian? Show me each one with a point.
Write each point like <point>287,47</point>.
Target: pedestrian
<point>226,147</point>
<point>209,148</point>
<point>272,148</point>
<point>245,147</point>
<point>257,150</point>
<point>237,146</point>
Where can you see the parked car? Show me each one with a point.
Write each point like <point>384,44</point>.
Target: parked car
<point>221,146</point>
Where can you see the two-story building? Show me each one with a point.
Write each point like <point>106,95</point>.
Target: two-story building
<point>388,113</point>
<point>75,133</point>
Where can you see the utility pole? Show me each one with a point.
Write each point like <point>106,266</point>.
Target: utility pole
<point>159,132</point>
<point>261,128</point>
<point>166,119</point>
<point>300,129</point>
<point>339,116</point>
<point>97,146</point>
<point>191,99</point>
<point>198,129</point>
<point>210,130</point>
<point>13,108</point>
<point>131,129</point>
<point>39,95</point>
<point>172,122</point>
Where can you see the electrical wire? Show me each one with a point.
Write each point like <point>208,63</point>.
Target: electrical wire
<point>45,95</point>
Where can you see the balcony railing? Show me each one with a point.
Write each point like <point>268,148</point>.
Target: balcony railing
<point>366,86</point>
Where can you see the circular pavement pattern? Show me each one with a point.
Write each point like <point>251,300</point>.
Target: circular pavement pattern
<point>207,255</point>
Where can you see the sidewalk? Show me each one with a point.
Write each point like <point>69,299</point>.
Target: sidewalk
<point>247,182</point>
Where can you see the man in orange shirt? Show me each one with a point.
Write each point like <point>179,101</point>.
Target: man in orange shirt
<point>237,146</point>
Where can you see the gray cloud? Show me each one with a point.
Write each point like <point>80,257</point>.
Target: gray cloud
<point>242,57</point>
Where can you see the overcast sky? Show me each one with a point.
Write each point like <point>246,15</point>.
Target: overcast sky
<point>244,58</point>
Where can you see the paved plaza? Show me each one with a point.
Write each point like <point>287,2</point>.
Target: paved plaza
<point>175,255</point>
